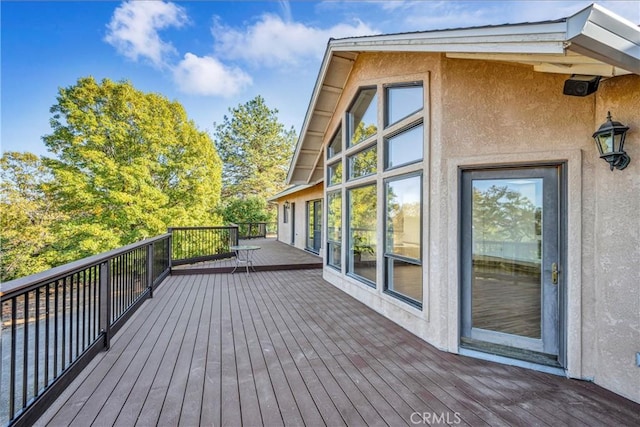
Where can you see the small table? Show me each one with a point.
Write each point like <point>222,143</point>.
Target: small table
<point>246,259</point>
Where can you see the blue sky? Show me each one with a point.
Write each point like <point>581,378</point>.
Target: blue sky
<point>210,55</point>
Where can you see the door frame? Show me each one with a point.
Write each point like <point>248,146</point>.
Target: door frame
<point>571,161</point>
<point>550,305</point>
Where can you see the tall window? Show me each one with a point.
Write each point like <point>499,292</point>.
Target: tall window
<point>384,125</point>
<point>334,229</point>
<point>362,252</point>
<point>403,242</point>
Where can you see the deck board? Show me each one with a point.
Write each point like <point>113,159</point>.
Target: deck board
<point>286,348</point>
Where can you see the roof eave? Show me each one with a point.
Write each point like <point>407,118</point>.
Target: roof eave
<point>597,33</point>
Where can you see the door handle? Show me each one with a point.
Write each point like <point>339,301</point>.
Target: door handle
<point>554,273</point>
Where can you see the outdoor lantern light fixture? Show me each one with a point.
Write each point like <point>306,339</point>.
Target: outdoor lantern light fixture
<point>610,142</point>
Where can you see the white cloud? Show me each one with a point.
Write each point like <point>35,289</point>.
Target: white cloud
<point>205,75</point>
<point>134,27</point>
<point>274,42</point>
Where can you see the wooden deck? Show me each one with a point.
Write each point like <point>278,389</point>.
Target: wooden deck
<point>272,255</point>
<point>287,348</point>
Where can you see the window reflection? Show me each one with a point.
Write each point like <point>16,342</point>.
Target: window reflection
<point>403,243</point>
<point>363,163</point>
<point>335,173</point>
<point>362,232</point>
<point>405,147</point>
<point>363,117</point>
<point>335,146</point>
<point>334,228</point>
<point>507,255</point>
<point>402,101</point>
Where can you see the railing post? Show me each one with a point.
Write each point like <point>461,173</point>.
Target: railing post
<point>105,303</point>
<point>170,248</point>
<point>150,269</point>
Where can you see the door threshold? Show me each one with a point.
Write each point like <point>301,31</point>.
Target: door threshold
<point>511,356</point>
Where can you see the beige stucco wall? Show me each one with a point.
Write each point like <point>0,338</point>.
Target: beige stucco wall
<point>492,113</point>
<point>300,199</point>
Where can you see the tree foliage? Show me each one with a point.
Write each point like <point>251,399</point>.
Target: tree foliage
<point>251,209</point>
<point>28,214</point>
<point>255,150</point>
<point>128,165</point>
<point>500,213</point>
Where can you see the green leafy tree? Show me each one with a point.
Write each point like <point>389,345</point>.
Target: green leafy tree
<point>504,214</point>
<point>128,165</point>
<point>27,216</point>
<point>255,150</point>
<point>251,209</point>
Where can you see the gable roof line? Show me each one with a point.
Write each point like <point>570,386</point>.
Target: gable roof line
<point>593,41</point>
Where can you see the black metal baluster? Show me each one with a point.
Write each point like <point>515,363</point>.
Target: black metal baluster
<point>36,347</point>
<point>47,326</point>
<point>64,325</point>
<point>13,374</point>
<point>25,354</point>
<point>55,330</point>
<point>76,280</point>
<point>70,320</point>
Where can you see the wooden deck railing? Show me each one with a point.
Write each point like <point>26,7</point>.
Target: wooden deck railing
<point>197,244</point>
<point>55,322</point>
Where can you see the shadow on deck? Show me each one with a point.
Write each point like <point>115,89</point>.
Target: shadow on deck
<point>272,256</point>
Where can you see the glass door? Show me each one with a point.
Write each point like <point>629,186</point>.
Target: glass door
<point>314,225</point>
<point>511,262</point>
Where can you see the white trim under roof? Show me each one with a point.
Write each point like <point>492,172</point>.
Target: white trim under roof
<point>594,41</point>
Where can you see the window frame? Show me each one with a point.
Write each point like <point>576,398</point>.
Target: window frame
<point>331,155</point>
<point>348,267</point>
<point>398,132</point>
<point>391,256</point>
<point>385,106</point>
<point>330,242</point>
<point>348,118</point>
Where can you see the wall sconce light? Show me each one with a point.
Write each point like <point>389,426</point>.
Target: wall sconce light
<point>610,142</point>
<point>287,205</point>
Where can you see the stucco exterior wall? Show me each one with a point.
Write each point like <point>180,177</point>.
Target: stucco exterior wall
<point>612,279</point>
<point>297,219</point>
<point>489,113</point>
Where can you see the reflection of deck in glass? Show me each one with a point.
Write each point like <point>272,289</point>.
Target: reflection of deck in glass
<point>506,296</point>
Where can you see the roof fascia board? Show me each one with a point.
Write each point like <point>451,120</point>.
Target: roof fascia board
<point>600,34</point>
<point>520,30</point>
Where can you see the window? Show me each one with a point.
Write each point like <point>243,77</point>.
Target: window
<point>404,147</point>
<point>362,233</point>
<point>403,242</point>
<point>285,213</point>
<point>362,117</point>
<point>334,229</point>
<point>335,173</point>
<point>389,130</point>
<point>363,163</point>
<point>335,146</point>
<point>402,101</point>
